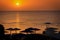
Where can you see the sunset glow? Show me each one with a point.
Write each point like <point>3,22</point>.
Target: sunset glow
<point>29,5</point>
<point>17,3</point>
<point>23,13</point>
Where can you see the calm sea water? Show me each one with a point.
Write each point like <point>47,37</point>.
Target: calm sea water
<point>29,19</point>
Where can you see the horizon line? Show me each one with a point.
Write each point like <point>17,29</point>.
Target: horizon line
<point>35,11</point>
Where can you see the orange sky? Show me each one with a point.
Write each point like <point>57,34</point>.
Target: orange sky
<point>29,5</point>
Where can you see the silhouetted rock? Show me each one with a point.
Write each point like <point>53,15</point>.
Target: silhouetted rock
<point>51,32</point>
<point>1,32</point>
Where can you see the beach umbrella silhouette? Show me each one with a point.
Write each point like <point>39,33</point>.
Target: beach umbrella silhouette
<point>27,31</point>
<point>35,29</point>
<point>5,31</point>
<point>47,24</point>
<point>16,29</point>
<point>30,30</point>
<point>10,29</point>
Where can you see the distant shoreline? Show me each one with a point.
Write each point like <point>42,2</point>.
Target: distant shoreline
<point>33,11</point>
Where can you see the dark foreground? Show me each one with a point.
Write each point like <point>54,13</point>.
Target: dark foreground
<point>48,34</point>
<point>28,37</point>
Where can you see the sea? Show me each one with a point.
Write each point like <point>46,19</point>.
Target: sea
<point>26,19</point>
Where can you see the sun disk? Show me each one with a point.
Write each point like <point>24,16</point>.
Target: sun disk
<point>17,4</point>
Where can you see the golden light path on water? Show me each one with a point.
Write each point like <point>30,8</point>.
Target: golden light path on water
<point>17,19</point>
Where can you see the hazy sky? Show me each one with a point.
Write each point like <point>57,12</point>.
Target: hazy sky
<point>29,5</point>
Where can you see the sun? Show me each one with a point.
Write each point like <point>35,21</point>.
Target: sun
<point>17,3</point>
